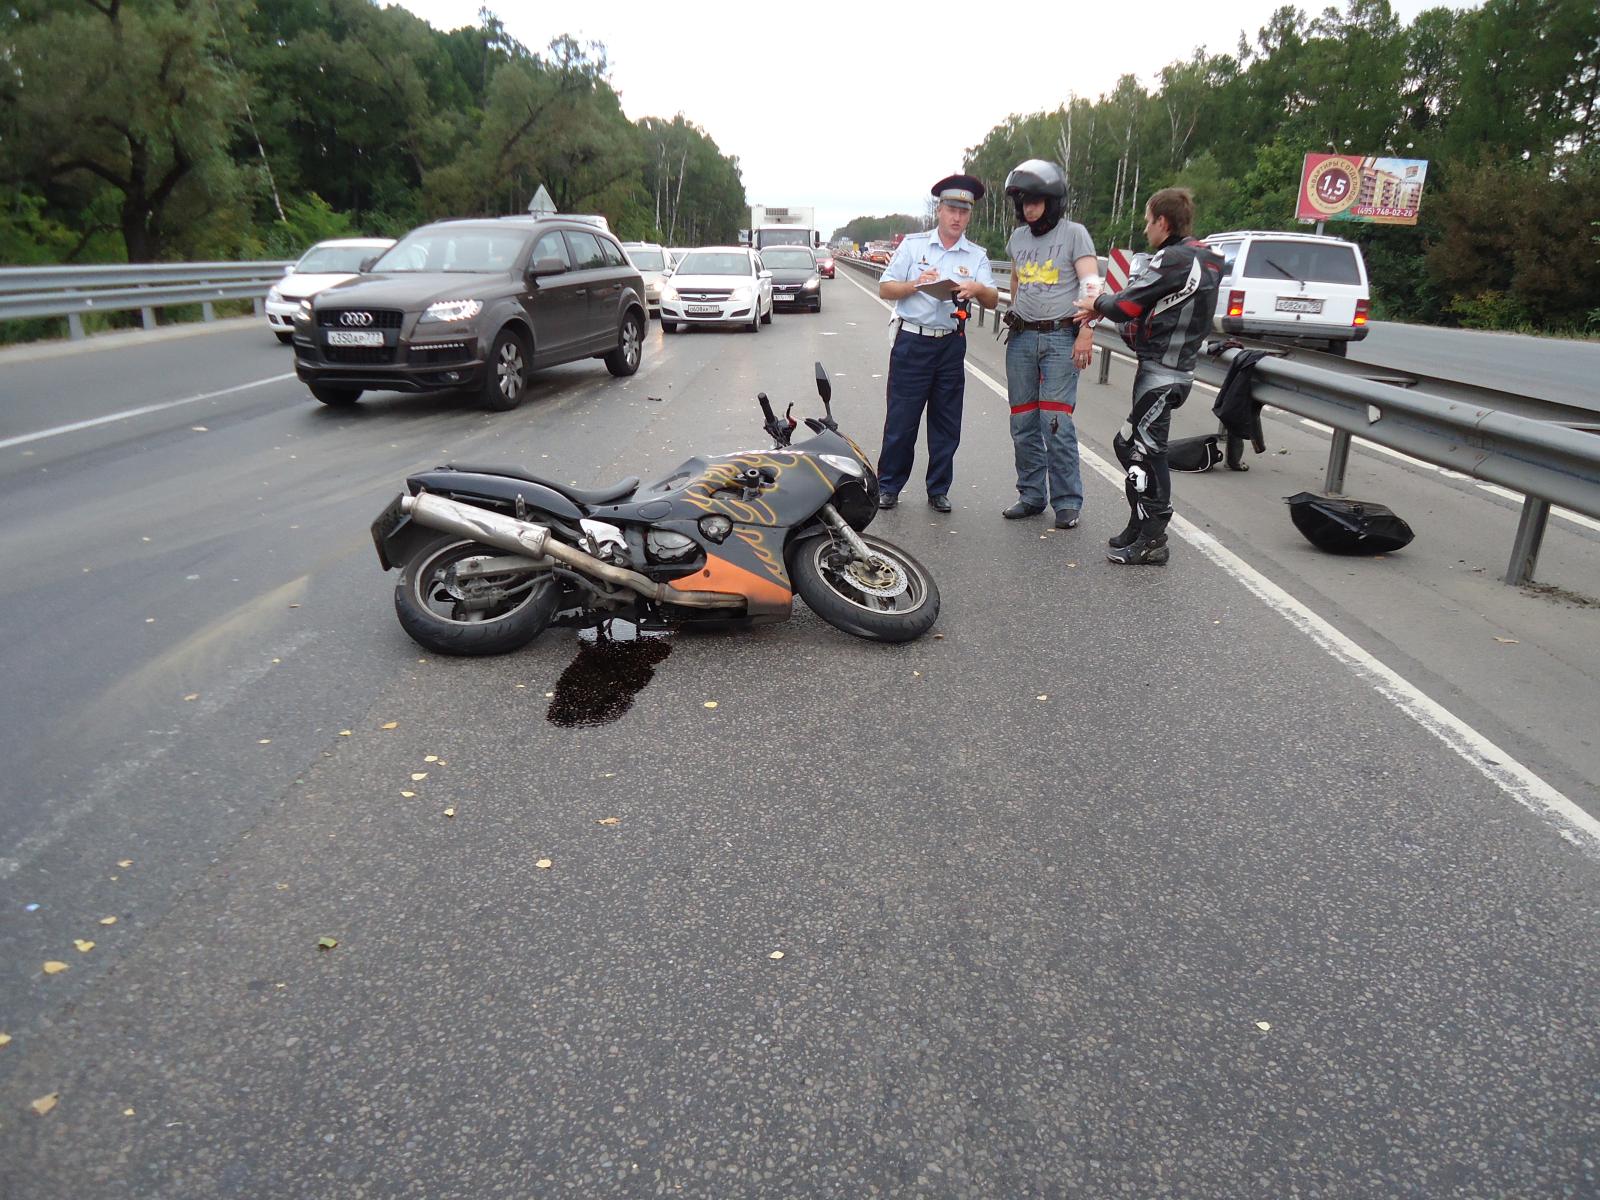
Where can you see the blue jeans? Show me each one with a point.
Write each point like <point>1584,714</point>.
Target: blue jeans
<point>1042,385</point>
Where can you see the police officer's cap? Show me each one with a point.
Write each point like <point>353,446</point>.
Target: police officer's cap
<point>959,191</point>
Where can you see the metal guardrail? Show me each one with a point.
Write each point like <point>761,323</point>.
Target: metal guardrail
<point>72,291</point>
<point>1546,461</point>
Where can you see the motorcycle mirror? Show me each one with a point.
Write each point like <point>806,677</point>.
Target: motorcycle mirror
<point>824,388</point>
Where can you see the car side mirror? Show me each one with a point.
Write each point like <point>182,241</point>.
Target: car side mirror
<point>366,263</point>
<point>764,275</point>
<point>824,388</point>
<point>548,266</point>
<point>289,270</point>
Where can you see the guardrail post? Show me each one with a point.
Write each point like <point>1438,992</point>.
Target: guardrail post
<point>1530,536</point>
<point>207,313</point>
<point>1338,459</point>
<point>257,306</point>
<point>1105,364</point>
<point>74,326</point>
<point>147,317</point>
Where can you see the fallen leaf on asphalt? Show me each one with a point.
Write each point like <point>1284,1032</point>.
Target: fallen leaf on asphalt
<point>1507,641</point>
<point>108,920</point>
<point>294,606</point>
<point>5,1039</point>
<point>938,637</point>
<point>519,685</point>
<point>127,1112</point>
<point>408,795</point>
<point>54,968</point>
<point>124,863</point>
<point>418,776</point>
<point>711,704</point>
<point>192,696</point>
<point>549,695</point>
<point>45,1103</point>
<point>431,758</point>
<point>1263,1026</point>
<point>83,946</point>
<point>775,955</point>
<point>449,812</point>
<point>1046,696</point>
<point>390,725</point>
<point>264,742</point>
<point>326,943</point>
<point>346,733</point>
<point>916,674</point>
<point>544,864</point>
<point>609,821</point>
<point>198,429</point>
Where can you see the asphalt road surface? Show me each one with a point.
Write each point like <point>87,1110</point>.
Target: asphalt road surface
<point>1258,875</point>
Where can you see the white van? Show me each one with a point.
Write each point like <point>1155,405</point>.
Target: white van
<point>1292,285</point>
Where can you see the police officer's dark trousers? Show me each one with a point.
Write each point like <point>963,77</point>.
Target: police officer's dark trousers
<point>924,372</point>
<point>1141,446</point>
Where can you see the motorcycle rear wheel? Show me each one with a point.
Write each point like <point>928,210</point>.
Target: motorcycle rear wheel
<point>432,609</point>
<point>820,571</point>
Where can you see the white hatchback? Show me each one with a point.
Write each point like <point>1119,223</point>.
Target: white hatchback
<point>653,262</point>
<point>1292,285</point>
<point>324,265</point>
<point>717,285</point>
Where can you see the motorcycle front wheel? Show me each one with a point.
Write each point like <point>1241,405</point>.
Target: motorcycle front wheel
<point>481,614</point>
<point>890,598</point>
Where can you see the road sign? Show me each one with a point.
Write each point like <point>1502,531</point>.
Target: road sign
<point>1119,268</point>
<point>541,205</point>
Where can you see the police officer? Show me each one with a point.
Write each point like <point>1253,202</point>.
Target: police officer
<point>927,361</point>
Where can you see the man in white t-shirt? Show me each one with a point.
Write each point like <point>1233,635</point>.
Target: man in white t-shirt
<point>1052,262</point>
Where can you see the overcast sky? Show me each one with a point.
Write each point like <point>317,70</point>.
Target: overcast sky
<point>842,107</point>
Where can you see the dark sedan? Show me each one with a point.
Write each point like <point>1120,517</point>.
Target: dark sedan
<point>825,263</point>
<point>795,281</point>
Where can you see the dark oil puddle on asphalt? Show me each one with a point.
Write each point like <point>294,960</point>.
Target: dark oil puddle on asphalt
<point>615,661</point>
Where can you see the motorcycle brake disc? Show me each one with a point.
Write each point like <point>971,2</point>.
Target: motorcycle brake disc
<point>880,578</point>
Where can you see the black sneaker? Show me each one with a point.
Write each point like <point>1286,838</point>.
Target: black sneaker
<point>1066,520</point>
<point>1153,553</point>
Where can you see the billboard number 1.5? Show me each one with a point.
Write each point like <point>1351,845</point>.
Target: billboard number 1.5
<point>1378,191</point>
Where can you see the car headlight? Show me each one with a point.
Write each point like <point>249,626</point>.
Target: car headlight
<point>669,293</point>
<point>274,295</point>
<point>451,310</point>
<point>743,294</point>
<point>305,310</point>
<point>813,283</point>
<point>840,463</point>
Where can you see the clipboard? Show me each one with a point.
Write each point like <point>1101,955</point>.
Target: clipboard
<point>939,289</point>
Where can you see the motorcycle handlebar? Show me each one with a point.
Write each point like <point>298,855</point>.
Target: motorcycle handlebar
<point>766,407</point>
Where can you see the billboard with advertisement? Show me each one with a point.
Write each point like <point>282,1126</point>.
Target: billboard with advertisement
<point>1378,191</point>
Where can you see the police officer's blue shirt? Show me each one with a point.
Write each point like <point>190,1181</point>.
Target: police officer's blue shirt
<point>963,262</point>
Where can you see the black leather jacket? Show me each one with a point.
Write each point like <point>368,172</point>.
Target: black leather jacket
<point>1170,303</point>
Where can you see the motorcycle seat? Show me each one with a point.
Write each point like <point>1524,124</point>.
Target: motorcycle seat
<point>590,497</point>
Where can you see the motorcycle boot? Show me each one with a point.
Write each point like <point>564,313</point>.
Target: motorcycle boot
<point>1143,552</point>
<point>1127,537</point>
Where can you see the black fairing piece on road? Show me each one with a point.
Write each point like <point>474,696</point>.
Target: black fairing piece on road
<point>1342,526</point>
<point>717,538</point>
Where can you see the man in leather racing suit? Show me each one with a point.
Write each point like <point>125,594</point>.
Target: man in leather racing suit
<point>1168,308</point>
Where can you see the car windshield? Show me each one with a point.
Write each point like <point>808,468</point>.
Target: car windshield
<point>460,251</point>
<point>783,256</point>
<point>711,263</point>
<point>784,237</point>
<point>1306,262</point>
<point>335,260</point>
<point>647,260</point>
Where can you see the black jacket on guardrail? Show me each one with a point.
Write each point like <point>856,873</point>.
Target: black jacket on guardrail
<point>1170,303</point>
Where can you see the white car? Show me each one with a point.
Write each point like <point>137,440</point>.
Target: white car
<point>717,285</point>
<point>653,263</point>
<point>1292,285</point>
<point>324,265</point>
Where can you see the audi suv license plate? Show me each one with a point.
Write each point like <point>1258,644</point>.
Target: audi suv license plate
<point>354,337</point>
<point>1300,304</point>
<point>703,309</point>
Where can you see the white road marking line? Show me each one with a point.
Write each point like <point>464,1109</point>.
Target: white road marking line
<point>1522,784</point>
<point>125,414</point>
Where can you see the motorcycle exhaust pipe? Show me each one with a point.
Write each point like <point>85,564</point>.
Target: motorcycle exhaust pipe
<point>533,540</point>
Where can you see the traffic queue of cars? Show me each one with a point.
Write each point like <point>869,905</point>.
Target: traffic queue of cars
<point>477,305</point>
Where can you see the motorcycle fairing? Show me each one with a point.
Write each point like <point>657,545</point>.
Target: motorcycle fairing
<point>502,488</point>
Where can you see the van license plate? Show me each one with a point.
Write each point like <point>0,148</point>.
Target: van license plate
<point>1299,304</point>
<point>706,310</point>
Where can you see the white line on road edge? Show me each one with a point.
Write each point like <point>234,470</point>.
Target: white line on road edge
<point>20,439</point>
<point>1519,782</point>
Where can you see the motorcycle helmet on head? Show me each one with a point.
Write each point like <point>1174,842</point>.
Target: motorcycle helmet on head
<point>1038,179</point>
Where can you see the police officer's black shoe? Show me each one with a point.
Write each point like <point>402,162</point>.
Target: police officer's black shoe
<point>939,503</point>
<point>1019,510</point>
<point>1145,552</point>
<point>1127,537</point>
<point>888,499</point>
<point>1066,519</point>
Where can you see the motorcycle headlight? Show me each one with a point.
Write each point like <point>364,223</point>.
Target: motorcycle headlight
<point>813,283</point>
<point>840,462</point>
<point>451,310</point>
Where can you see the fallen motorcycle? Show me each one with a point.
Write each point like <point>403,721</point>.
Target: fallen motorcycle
<point>490,556</point>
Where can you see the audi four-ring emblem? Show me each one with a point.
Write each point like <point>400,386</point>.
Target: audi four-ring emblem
<point>355,318</point>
